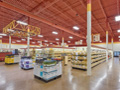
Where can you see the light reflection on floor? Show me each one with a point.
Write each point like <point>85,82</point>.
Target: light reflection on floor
<point>105,76</point>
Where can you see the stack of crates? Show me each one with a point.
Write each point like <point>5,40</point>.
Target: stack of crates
<point>9,59</point>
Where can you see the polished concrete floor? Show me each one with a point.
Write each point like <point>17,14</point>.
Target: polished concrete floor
<point>105,76</point>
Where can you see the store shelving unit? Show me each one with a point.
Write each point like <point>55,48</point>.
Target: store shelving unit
<point>79,58</point>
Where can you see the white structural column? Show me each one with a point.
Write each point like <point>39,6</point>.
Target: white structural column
<point>9,43</point>
<point>40,43</point>
<point>112,46</point>
<point>62,41</point>
<point>106,46</point>
<point>28,43</point>
<point>89,37</point>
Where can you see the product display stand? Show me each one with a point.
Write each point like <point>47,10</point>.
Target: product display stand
<point>47,70</point>
<point>26,63</point>
<point>12,59</point>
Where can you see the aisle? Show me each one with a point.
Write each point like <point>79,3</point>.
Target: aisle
<point>104,77</point>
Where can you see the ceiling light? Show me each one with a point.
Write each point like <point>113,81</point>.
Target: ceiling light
<point>45,41</point>
<point>117,18</point>
<point>70,37</point>
<point>55,32</point>
<point>2,34</point>
<point>23,23</point>
<point>23,39</point>
<point>76,28</point>
<point>13,42</point>
<point>118,36</point>
<point>39,41</point>
<point>57,39</point>
<point>40,35</point>
<point>33,42</point>
<point>118,30</point>
<point>68,41</point>
<point>18,41</point>
<point>51,43</point>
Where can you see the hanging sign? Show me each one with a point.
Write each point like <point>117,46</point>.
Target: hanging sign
<point>95,37</point>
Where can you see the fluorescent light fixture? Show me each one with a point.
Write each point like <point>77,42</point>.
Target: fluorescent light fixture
<point>2,34</point>
<point>70,37</point>
<point>118,30</point>
<point>33,42</point>
<point>40,35</point>
<point>69,41</point>
<point>117,18</point>
<point>51,43</point>
<point>23,39</point>
<point>11,30</point>
<point>118,36</point>
<point>57,39</point>
<point>21,22</point>
<point>13,42</point>
<point>76,28</point>
<point>38,41</point>
<point>54,32</point>
<point>18,41</point>
<point>45,41</point>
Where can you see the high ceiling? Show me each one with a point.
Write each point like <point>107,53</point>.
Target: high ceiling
<point>63,15</point>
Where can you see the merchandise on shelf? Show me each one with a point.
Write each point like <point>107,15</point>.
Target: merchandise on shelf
<point>26,62</point>
<point>47,69</point>
<point>79,59</point>
<point>11,59</point>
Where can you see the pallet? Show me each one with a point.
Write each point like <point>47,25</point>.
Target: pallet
<point>46,81</point>
<point>10,63</point>
<point>26,69</point>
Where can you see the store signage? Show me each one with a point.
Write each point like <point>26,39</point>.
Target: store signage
<point>95,37</point>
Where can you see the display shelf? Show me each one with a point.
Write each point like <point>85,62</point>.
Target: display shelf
<point>26,63</point>
<point>79,58</point>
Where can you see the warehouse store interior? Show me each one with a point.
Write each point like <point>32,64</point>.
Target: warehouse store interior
<point>59,44</point>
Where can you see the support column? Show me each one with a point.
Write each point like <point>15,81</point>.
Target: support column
<point>9,43</point>
<point>112,47</point>
<point>106,46</point>
<point>89,37</point>
<point>28,43</point>
<point>1,45</point>
<point>62,41</point>
<point>40,43</point>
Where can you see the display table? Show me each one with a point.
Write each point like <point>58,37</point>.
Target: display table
<point>26,63</point>
<point>12,59</point>
<point>47,70</point>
